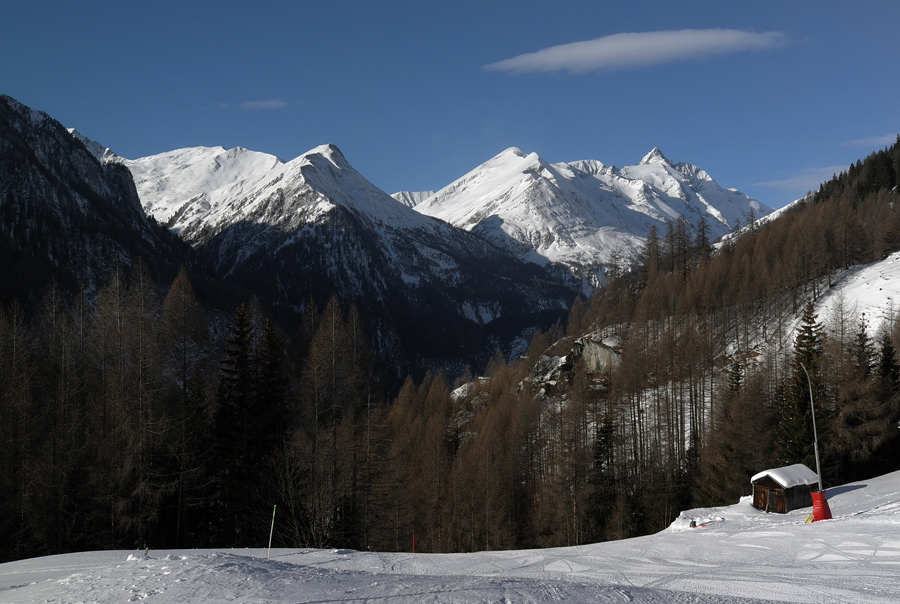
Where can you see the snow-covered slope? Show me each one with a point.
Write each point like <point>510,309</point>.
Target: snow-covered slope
<point>412,198</point>
<point>188,188</point>
<point>581,214</point>
<point>737,554</point>
<point>870,290</point>
<point>201,191</point>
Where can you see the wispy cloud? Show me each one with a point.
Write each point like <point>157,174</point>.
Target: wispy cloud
<point>622,51</point>
<point>874,141</point>
<point>264,105</point>
<point>805,180</point>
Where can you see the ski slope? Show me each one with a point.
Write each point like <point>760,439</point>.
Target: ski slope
<point>736,554</point>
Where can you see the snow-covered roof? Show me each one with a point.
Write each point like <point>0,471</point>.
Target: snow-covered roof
<point>789,476</point>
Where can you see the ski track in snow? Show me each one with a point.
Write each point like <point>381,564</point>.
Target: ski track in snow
<point>738,555</point>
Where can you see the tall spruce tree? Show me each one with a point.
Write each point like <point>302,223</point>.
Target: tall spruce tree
<point>861,350</point>
<point>888,367</point>
<point>866,417</point>
<point>794,433</point>
<point>232,430</point>
<point>251,421</point>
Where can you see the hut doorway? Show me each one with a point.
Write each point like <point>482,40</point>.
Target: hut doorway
<point>769,499</point>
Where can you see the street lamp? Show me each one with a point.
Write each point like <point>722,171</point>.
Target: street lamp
<point>812,407</point>
<point>821,511</point>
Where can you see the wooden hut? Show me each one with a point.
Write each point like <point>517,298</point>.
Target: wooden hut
<point>784,489</point>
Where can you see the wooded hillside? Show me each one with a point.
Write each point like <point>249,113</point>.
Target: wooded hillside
<point>138,418</point>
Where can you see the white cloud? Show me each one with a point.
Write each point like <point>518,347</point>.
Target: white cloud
<point>627,50</point>
<point>874,141</point>
<point>265,105</point>
<point>806,180</point>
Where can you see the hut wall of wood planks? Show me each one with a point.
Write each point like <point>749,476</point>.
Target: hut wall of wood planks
<point>781,490</point>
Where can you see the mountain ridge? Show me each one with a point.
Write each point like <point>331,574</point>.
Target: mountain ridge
<point>314,224</point>
<point>581,214</point>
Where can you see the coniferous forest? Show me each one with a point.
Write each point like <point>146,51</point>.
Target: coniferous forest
<point>137,416</point>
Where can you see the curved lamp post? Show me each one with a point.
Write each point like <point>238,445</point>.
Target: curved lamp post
<point>812,408</point>
<point>821,511</point>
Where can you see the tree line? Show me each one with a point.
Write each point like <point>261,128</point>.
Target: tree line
<point>136,419</point>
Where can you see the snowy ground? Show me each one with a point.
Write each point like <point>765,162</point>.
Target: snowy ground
<point>738,554</point>
<point>872,290</point>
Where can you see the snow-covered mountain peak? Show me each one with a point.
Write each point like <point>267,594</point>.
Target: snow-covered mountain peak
<point>326,170</point>
<point>325,157</point>
<point>580,214</point>
<point>655,157</point>
<point>514,161</point>
<point>328,152</point>
<point>180,187</point>
<point>591,167</point>
<point>316,224</point>
<point>512,158</point>
<point>199,191</point>
<point>511,152</point>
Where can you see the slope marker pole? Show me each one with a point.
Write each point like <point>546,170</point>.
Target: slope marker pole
<point>271,530</point>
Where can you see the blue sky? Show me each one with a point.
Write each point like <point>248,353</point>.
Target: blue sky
<point>768,97</point>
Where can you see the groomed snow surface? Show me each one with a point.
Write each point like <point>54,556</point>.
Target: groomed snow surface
<point>736,554</point>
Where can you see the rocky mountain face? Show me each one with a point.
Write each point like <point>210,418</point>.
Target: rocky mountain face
<point>305,228</point>
<point>66,216</point>
<point>583,216</point>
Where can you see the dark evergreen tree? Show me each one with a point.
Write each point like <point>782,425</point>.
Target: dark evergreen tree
<point>861,351</point>
<point>604,488</point>
<point>735,379</point>
<point>273,386</point>
<point>867,414</point>
<point>886,452</point>
<point>888,367</point>
<point>233,432</point>
<point>794,434</point>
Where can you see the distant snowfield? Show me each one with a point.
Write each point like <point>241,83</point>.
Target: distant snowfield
<point>738,554</point>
